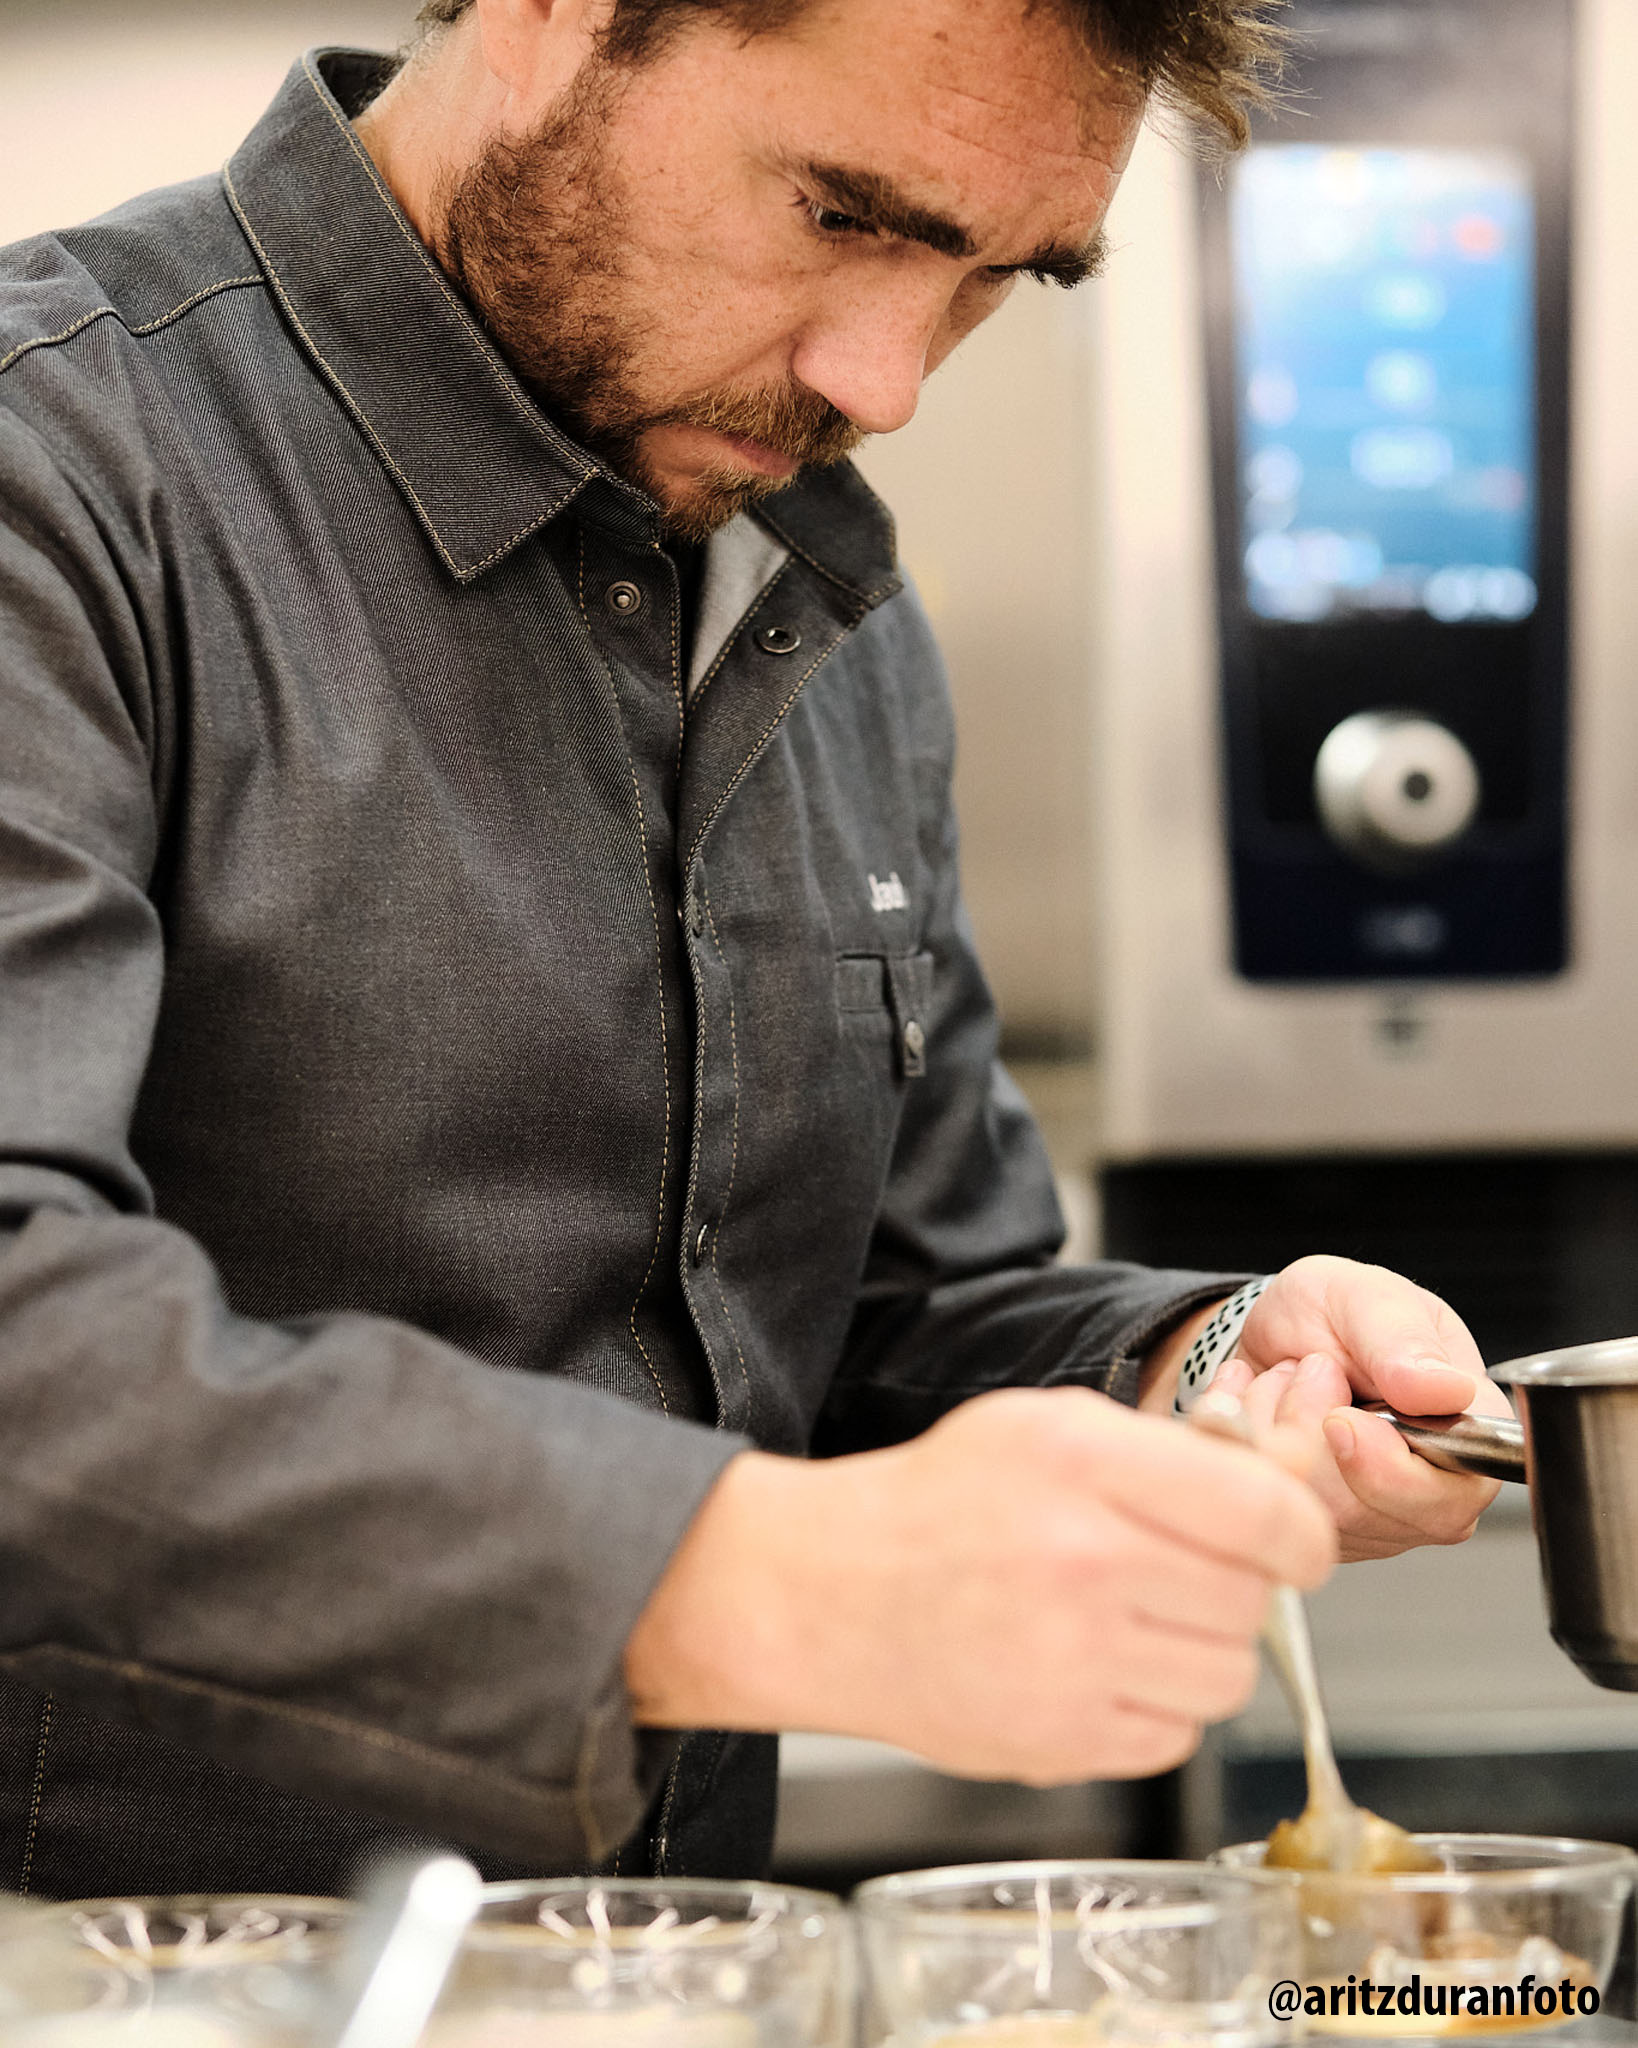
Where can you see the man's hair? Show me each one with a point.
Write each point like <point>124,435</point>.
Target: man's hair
<point>1212,60</point>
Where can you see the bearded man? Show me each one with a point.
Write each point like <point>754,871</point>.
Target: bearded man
<point>516,1243</point>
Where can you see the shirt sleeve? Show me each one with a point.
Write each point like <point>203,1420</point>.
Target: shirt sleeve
<point>960,1293</point>
<point>339,1553</point>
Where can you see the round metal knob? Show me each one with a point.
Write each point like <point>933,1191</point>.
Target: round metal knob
<point>1395,790</point>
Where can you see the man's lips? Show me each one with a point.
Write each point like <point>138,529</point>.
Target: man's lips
<point>758,455</point>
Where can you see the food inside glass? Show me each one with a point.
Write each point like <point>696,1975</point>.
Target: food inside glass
<point>1501,1933</point>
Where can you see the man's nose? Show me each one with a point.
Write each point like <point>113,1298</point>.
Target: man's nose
<point>869,359</point>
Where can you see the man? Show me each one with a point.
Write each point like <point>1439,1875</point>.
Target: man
<point>494,1073</point>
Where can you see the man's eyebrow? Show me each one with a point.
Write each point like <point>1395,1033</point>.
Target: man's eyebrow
<point>1069,267</point>
<point>876,202</point>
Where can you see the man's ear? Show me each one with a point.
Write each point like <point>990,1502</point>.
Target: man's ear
<point>534,48</point>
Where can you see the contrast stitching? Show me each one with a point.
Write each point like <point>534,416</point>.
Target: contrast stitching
<point>222,284</point>
<point>23,348</point>
<point>53,340</point>
<point>679,682</point>
<point>733,1157</point>
<point>330,370</point>
<point>363,418</point>
<point>761,741</point>
<point>659,975</point>
<point>531,419</point>
<point>662,1834</point>
<point>39,1794</point>
<point>870,596</point>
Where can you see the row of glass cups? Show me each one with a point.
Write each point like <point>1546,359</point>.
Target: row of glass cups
<point>1030,1955</point>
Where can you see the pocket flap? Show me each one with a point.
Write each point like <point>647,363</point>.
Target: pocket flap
<point>861,982</point>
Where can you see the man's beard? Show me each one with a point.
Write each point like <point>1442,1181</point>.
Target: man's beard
<point>532,234</point>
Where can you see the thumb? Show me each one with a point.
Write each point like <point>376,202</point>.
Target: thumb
<point>1404,1346</point>
<point>1422,1381</point>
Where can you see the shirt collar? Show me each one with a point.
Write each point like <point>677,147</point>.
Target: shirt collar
<point>480,464</point>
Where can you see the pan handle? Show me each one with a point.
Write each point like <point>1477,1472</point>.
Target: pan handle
<point>1491,1445</point>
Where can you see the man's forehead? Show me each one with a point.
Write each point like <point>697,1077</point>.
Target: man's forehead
<point>973,113</point>
<point>1021,59</point>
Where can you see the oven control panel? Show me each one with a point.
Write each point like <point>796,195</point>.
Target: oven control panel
<point>1387,292</point>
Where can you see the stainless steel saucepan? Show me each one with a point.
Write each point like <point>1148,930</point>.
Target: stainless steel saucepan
<point>1576,1444</point>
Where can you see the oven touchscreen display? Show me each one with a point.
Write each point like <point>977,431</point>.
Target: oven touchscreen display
<point>1384,313</point>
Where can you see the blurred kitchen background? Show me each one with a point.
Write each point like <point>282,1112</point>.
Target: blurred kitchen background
<point>1244,1040</point>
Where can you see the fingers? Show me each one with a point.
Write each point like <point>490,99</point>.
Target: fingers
<point>1385,1498</point>
<point>1135,1742</point>
<point>1045,1586</point>
<point>1209,1598</point>
<point>1397,1499</point>
<point>1127,1697</point>
<point>1221,1499</point>
<point>1127,1704</point>
<point>1298,1394</point>
<point>1213,1675</point>
<point>1417,1386</point>
<point>1234,1376</point>
<point>1395,1341</point>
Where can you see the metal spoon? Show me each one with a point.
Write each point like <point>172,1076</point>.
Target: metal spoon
<point>1331,1832</point>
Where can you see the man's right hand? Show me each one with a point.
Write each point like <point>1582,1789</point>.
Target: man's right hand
<point>1045,1587</point>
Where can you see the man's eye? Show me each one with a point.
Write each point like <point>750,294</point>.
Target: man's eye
<point>830,220</point>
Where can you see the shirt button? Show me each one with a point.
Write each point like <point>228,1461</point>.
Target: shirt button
<point>779,639</point>
<point>915,1039</point>
<point>623,599</point>
<point>701,1241</point>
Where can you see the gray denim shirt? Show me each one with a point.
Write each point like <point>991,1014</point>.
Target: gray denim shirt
<point>457,1087</point>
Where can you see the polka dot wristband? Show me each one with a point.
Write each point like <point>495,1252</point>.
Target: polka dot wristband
<point>1215,1343</point>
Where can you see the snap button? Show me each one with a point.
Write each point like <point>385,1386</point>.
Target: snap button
<point>779,639</point>
<point>914,1041</point>
<point>700,1242</point>
<point>623,599</point>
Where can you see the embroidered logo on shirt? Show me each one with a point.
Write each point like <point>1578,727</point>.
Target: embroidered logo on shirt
<point>888,895</point>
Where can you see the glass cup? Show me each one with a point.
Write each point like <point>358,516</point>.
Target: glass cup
<point>239,1972</point>
<point>647,1963</point>
<point>1057,1955</point>
<point>1527,1916</point>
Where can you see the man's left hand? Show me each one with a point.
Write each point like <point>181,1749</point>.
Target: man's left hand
<point>1326,1332</point>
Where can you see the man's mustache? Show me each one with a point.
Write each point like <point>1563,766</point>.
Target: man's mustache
<point>792,420</point>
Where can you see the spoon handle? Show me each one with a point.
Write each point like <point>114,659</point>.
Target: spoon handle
<point>1291,1649</point>
<point>1490,1445</point>
<point>1285,1632</point>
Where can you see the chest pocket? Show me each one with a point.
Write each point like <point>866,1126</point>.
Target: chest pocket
<point>888,995</point>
